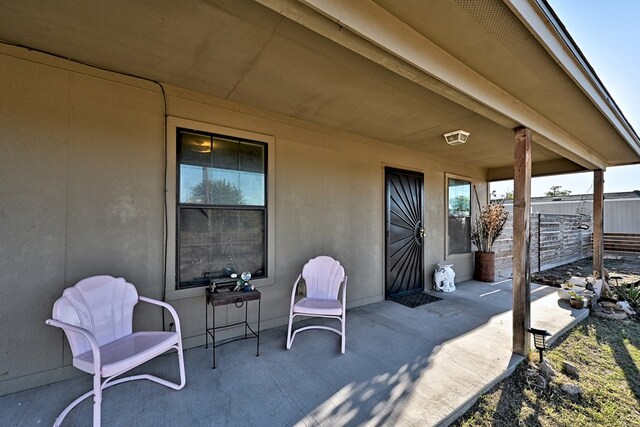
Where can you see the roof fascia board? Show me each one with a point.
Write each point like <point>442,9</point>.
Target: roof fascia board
<point>373,23</point>
<point>543,23</point>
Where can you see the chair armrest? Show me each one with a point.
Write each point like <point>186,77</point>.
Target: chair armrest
<point>169,308</point>
<point>95,347</point>
<point>295,287</point>
<point>344,294</point>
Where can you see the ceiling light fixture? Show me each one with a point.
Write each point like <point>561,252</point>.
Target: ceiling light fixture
<point>202,146</point>
<point>456,137</point>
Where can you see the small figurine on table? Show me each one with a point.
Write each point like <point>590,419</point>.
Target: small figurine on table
<point>243,282</point>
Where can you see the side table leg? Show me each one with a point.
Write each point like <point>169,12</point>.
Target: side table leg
<point>206,321</point>
<point>246,310</point>
<point>258,337</point>
<point>213,336</point>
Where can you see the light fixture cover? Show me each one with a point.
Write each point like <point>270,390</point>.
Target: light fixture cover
<point>202,146</point>
<point>456,137</point>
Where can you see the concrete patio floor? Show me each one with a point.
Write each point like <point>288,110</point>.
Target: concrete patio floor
<point>414,367</point>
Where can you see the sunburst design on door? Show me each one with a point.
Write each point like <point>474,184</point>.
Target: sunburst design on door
<point>404,232</point>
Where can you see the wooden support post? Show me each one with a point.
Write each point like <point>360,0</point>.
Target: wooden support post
<point>598,221</point>
<point>521,240</point>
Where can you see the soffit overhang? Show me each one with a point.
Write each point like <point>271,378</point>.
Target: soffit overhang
<point>482,49</point>
<point>545,25</point>
<point>291,58</point>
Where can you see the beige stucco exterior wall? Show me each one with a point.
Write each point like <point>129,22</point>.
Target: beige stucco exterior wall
<point>81,193</point>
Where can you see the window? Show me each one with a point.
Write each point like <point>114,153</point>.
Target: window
<point>221,207</point>
<point>459,216</point>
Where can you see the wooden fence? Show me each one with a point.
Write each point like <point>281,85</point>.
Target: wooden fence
<point>622,242</point>
<point>620,214</point>
<point>555,240</point>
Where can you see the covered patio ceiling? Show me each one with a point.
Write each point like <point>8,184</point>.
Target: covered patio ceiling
<point>294,58</point>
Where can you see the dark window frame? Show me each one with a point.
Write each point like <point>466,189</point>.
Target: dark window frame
<point>448,179</point>
<point>179,205</point>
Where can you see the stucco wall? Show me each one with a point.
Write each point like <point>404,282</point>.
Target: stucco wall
<point>81,193</point>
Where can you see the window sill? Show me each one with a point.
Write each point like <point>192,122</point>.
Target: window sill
<point>178,294</point>
<point>459,256</point>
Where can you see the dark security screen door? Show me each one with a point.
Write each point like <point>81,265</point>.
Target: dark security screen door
<point>405,232</point>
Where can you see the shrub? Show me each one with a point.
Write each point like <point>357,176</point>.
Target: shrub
<point>629,292</point>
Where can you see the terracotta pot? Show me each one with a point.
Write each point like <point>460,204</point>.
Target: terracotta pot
<point>577,303</point>
<point>485,266</point>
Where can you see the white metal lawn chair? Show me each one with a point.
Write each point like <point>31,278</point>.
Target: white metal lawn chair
<point>96,315</point>
<point>323,276</point>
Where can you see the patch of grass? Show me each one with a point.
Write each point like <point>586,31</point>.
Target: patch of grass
<point>607,356</point>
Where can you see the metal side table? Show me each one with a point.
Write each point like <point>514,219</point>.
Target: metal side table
<point>239,299</point>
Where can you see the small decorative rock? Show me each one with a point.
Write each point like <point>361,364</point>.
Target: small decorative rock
<point>570,369</point>
<point>571,389</point>
<point>607,304</point>
<point>535,379</point>
<point>540,382</point>
<point>547,369</point>
<point>624,305</point>
<point>611,314</point>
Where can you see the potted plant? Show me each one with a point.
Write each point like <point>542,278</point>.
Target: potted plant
<point>485,230</point>
<point>576,301</point>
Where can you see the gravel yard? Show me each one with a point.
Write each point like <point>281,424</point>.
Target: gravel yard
<point>627,267</point>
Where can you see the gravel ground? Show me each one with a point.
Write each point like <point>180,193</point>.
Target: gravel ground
<point>627,267</point>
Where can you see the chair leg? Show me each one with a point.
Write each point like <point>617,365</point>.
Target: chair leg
<point>183,377</point>
<point>70,406</point>
<point>289,338</point>
<point>97,399</point>
<point>98,388</point>
<point>155,379</point>
<point>343,337</point>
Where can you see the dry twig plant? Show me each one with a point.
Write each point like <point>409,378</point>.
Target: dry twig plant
<point>488,226</point>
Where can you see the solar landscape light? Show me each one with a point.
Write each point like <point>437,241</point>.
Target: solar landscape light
<point>539,340</point>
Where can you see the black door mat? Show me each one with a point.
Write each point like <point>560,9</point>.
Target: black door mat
<point>415,300</point>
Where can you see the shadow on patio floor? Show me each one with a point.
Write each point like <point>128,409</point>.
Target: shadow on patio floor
<point>403,366</point>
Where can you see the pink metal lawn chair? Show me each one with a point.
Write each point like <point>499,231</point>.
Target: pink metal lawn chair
<point>96,315</point>
<point>323,276</point>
